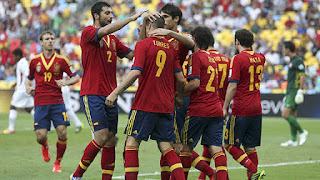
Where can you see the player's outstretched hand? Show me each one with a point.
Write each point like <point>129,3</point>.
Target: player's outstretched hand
<point>60,82</point>
<point>160,32</point>
<point>29,89</point>
<point>152,16</point>
<point>110,100</point>
<point>178,101</point>
<point>137,15</point>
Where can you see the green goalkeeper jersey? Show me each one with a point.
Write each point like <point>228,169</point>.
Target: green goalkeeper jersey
<point>296,69</point>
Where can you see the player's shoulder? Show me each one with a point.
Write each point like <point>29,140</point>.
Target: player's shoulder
<point>63,58</point>
<point>34,58</point>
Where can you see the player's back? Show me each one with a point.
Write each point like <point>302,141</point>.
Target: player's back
<point>204,101</point>
<point>247,68</point>
<point>223,67</point>
<point>157,60</point>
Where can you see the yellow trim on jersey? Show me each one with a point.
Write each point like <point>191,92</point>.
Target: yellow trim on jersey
<point>175,166</point>
<point>171,39</point>
<point>47,66</point>
<point>231,64</point>
<point>107,41</point>
<point>165,168</point>
<point>219,168</point>
<point>131,169</point>
<point>104,171</point>
<point>206,159</point>
<point>241,157</point>
<point>131,122</point>
<point>64,58</point>
<point>249,52</point>
<point>231,132</point>
<point>33,58</point>
<point>86,107</point>
<point>185,130</point>
<point>176,132</point>
<point>83,166</point>
<point>196,161</point>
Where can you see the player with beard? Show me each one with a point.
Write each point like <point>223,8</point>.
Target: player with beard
<point>100,50</point>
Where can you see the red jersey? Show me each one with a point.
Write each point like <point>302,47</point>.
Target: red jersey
<point>45,72</point>
<point>181,50</point>
<point>204,101</point>
<point>246,69</point>
<point>156,58</point>
<point>99,58</point>
<point>223,63</point>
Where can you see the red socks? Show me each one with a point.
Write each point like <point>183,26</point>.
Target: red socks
<point>107,162</point>
<point>61,148</point>
<point>165,171</point>
<point>174,164</point>
<point>253,156</point>
<point>88,156</point>
<point>131,163</point>
<point>186,160</point>
<point>201,165</point>
<point>221,165</point>
<point>239,155</point>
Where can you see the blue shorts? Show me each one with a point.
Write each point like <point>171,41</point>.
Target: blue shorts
<point>243,130</point>
<point>211,129</point>
<point>143,124</point>
<point>99,115</point>
<point>43,115</point>
<point>179,118</point>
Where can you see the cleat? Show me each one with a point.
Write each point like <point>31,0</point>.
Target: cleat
<point>289,143</point>
<point>258,175</point>
<point>303,137</point>
<point>56,168</point>
<point>74,178</point>
<point>79,128</point>
<point>45,153</point>
<point>7,131</point>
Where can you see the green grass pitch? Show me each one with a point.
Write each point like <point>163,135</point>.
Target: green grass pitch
<point>20,155</point>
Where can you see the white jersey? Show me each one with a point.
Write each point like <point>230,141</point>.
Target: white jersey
<point>22,72</point>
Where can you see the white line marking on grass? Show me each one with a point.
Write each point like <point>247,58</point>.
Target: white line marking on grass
<point>263,165</point>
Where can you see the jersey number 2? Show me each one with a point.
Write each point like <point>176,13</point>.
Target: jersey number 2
<point>212,73</point>
<point>160,61</point>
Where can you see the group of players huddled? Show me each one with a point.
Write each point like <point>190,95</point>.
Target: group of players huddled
<point>180,98</point>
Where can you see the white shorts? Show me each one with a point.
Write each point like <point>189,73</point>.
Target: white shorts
<point>20,99</point>
<point>66,96</point>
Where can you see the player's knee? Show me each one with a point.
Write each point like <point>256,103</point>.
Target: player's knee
<point>284,114</point>
<point>41,139</point>
<point>12,107</point>
<point>112,142</point>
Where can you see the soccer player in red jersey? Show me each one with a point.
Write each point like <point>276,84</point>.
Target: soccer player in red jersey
<point>244,124</point>
<point>47,69</point>
<point>205,116</point>
<point>223,67</point>
<point>156,65</point>
<point>100,50</point>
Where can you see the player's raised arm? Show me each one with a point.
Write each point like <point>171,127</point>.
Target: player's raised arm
<point>142,30</point>
<point>112,27</point>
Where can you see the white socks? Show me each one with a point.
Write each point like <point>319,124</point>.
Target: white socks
<point>12,119</point>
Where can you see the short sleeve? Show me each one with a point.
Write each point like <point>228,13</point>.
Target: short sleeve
<point>194,67</point>
<point>234,72</point>
<point>89,34</point>
<point>122,50</point>
<point>139,56</point>
<point>299,66</point>
<point>31,70</point>
<point>67,68</point>
<point>24,68</point>
<point>176,64</point>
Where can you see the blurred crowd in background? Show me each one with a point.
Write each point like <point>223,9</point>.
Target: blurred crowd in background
<point>271,21</point>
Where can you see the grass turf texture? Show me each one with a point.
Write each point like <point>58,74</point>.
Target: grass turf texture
<point>20,155</point>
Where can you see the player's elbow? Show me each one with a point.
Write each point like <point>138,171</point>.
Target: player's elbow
<point>76,78</point>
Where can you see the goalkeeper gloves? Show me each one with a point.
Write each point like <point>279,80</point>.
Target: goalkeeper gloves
<point>299,97</point>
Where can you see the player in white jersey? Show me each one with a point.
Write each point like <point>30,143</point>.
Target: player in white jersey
<point>20,99</point>
<point>67,101</point>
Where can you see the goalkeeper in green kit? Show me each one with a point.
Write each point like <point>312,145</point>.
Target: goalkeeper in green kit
<point>294,95</point>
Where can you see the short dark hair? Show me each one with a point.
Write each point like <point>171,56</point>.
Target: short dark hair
<point>157,23</point>
<point>202,36</point>
<point>97,8</point>
<point>289,45</point>
<point>17,52</point>
<point>46,32</point>
<point>172,10</point>
<point>245,37</point>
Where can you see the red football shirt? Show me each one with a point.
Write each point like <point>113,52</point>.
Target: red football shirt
<point>246,69</point>
<point>223,63</point>
<point>157,60</point>
<point>99,58</point>
<point>204,101</point>
<point>45,72</point>
<point>181,49</point>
